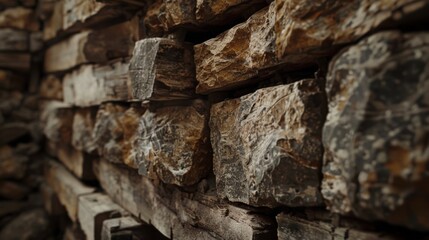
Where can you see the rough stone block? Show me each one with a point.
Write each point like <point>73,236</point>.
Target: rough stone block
<point>267,145</point>
<point>173,143</point>
<point>376,133</point>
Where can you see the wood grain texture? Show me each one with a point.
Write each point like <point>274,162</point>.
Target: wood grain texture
<point>93,210</point>
<point>96,46</point>
<point>168,16</point>
<point>15,61</point>
<point>66,186</point>
<point>92,85</point>
<point>176,213</point>
<point>19,18</point>
<point>72,16</point>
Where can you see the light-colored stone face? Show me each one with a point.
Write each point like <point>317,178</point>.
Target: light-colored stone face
<point>267,147</point>
<point>173,144</point>
<point>375,136</point>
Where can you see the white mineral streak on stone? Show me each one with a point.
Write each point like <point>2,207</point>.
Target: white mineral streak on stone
<point>258,142</point>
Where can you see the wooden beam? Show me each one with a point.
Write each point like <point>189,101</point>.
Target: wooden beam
<point>129,228</point>
<point>76,161</point>
<point>241,55</point>
<point>180,214</point>
<point>93,210</point>
<point>94,84</point>
<point>96,46</point>
<point>66,186</point>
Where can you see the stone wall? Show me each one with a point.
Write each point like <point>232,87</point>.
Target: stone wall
<point>251,119</point>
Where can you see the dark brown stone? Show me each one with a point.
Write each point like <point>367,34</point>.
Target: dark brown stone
<point>376,133</point>
<point>267,145</point>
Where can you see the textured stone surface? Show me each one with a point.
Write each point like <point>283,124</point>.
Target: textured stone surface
<point>237,56</point>
<point>267,145</point>
<point>67,187</point>
<point>376,133</point>
<point>71,16</point>
<point>162,69</point>
<point>164,16</point>
<point>115,132</point>
<point>317,26</point>
<point>173,143</point>
<point>93,46</point>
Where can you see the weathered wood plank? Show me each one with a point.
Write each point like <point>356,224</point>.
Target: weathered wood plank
<point>129,228</point>
<point>14,40</point>
<point>267,145</point>
<point>78,162</point>
<point>51,88</point>
<point>94,84</point>
<point>93,210</point>
<point>66,186</point>
<point>162,69</point>
<point>15,61</point>
<point>291,227</point>
<point>173,143</point>
<point>97,46</point>
<point>71,16</point>
<point>19,18</point>
<point>383,137</point>
<point>179,214</point>
<point>238,56</point>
